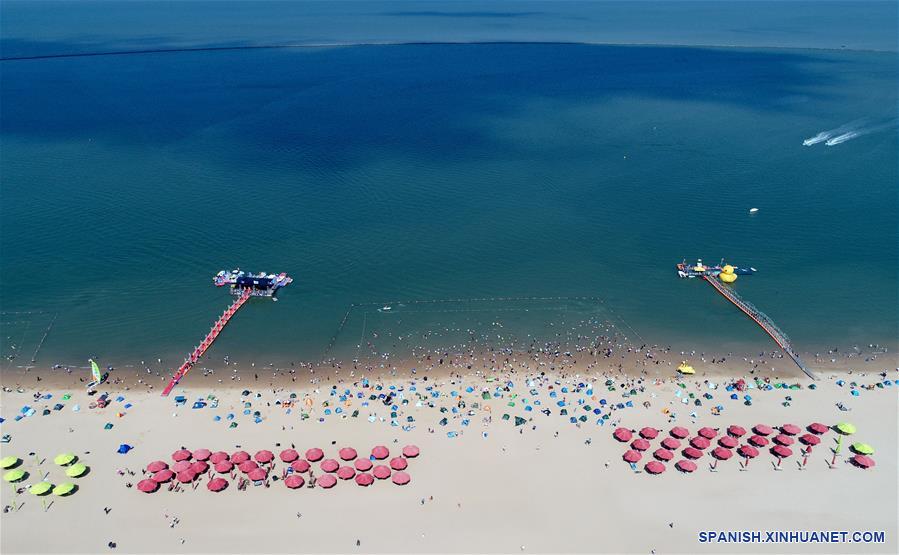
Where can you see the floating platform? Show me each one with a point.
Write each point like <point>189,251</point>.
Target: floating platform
<point>259,284</point>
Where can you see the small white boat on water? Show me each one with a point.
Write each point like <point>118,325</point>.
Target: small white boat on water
<point>753,210</point>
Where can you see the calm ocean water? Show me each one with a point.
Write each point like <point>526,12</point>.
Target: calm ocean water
<point>381,174</point>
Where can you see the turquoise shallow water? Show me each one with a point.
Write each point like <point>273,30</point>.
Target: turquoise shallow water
<point>381,174</point>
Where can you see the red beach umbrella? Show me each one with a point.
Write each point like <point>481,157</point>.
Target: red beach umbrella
<point>186,476</point>
<point>810,439</point>
<point>148,486</point>
<point>240,457</point>
<point>264,456</point>
<point>649,433</point>
<point>685,466</point>
<point>663,454</point>
<point>748,451</point>
<point>679,432</point>
<point>364,479</point>
<point>411,451</point>
<point>346,472</point>
<point>299,465</point>
<point>330,465</point>
<point>781,451</point>
<point>247,466</point>
<point>314,454</point>
<point>202,454</point>
<point>622,434</point>
<point>380,452</point>
<point>758,441</point>
<point>790,429</point>
<point>763,429</point>
<point>782,439</point>
<point>401,478</point>
<point>700,442</point>
<point>181,455</point>
<point>862,461</point>
<point>163,476</point>
<point>294,481</point>
<point>199,467</point>
<point>721,453</point>
<point>381,472</point>
<point>217,484</point>
<point>736,431</point>
<point>692,453</point>
<point>326,481</point>
<point>632,456</point>
<point>654,467</point>
<point>727,441</point>
<point>708,433</point>
<point>257,474</point>
<point>347,453</point>
<point>181,466</point>
<point>289,455</point>
<point>817,428</point>
<point>224,467</point>
<point>362,465</point>
<point>156,466</point>
<point>398,463</point>
<point>218,457</point>
<point>640,444</point>
<point>671,443</point>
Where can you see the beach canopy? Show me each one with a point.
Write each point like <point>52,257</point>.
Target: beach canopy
<point>64,489</point>
<point>862,461</point>
<point>240,457</point>
<point>790,429</point>
<point>671,443</point>
<point>299,465</point>
<point>381,472</point>
<point>148,486</point>
<point>411,451</point>
<point>186,476</point>
<point>14,475</point>
<point>845,428</point>
<point>736,431</point>
<point>347,453</point>
<point>40,488</point>
<point>722,453</point>
<point>622,434</point>
<point>679,432</point>
<point>289,455</point>
<point>163,476</point>
<point>330,465</point>
<point>700,442</point>
<point>632,456</point>
<point>247,466</point>
<point>817,428</point>
<point>727,441</point>
<point>346,472</point>
<point>649,433</point>
<point>202,454</point>
<point>314,454</point>
<point>9,462</point>
<point>398,463</point>
<point>692,453</point>
<point>781,451</point>
<point>218,457</point>
<point>782,439</point>
<point>156,466</point>
<point>685,466</point>
<point>364,479</point>
<point>181,455</point>
<point>326,481</point>
<point>294,481</point>
<point>199,467</point>
<point>748,451</point>
<point>76,470</point>
<point>264,456</point>
<point>810,439</point>
<point>758,441</point>
<point>401,478</point>
<point>654,467</point>
<point>181,466</point>
<point>380,452</point>
<point>685,368</point>
<point>64,458</point>
<point>257,474</point>
<point>763,429</point>
<point>862,448</point>
<point>708,433</point>
<point>663,454</point>
<point>224,467</point>
<point>640,444</point>
<point>217,484</point>
<point>362,465</point>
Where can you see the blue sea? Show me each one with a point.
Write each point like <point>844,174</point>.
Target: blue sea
<point>531,165</point>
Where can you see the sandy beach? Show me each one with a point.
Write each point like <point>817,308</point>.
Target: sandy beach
<point>535,482</point>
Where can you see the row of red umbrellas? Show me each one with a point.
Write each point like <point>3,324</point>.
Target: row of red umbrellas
<point>293,481</point>
<point>733,431</point>
<point>264,456</point>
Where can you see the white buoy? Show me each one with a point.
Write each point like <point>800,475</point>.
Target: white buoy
<point>753,210</point>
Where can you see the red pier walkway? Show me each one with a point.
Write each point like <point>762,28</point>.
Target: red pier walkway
<point>762,320</point>
<point>207,341</point>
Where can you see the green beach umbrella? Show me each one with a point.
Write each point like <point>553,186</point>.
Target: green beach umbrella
<point>64,458</point>
<point>76,470</point>
<point>40,488</point>
<point>64,489</point>
<point>14,475</point>
<point>845,428</point>
<point>9,461</point>
<point>863,448</point>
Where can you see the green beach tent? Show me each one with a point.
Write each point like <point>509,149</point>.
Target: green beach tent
<point>64,458</point>
<point>845,428</point>
<point>14,475</point>
<point>40,488</point>
<point>9,461</point>
<point>64,489</point>
<point>863,448</point>
<point>76,470</point>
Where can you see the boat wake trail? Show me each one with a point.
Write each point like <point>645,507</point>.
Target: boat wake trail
<point>849,131</point>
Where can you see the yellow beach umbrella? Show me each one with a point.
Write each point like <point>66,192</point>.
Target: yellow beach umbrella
<point>685,368</point>
<point>40,488</point>
<point>64,489</point>
<point>863,448</point>
<point>76,470</point>
<point>64,458</point>
<point>14,475</point>
<point>845,428</point>
<point>9,461</point>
